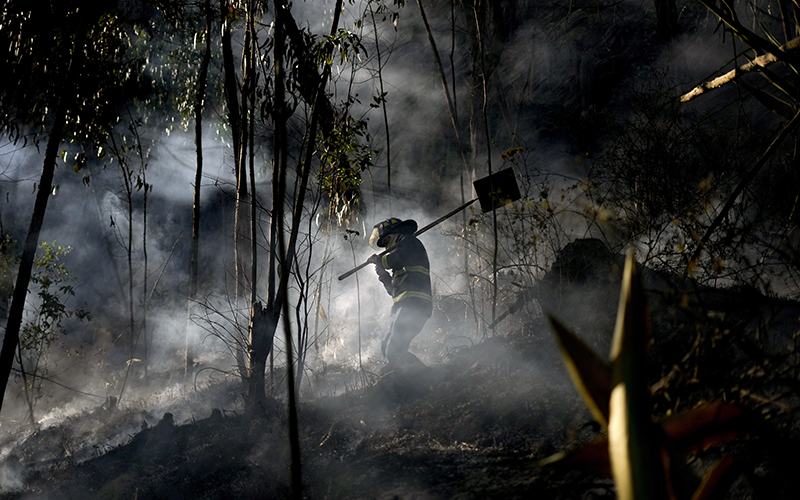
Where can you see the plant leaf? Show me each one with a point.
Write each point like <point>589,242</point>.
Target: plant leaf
<point>717,480</point>
<point>706,426</point>
<point>590,374</point>
<point>592,457</point>
<point>693,430</point>
<point>634,446</point>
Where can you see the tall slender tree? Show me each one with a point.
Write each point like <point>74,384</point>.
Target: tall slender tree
<point>194,251</point>
<point>61,78</point>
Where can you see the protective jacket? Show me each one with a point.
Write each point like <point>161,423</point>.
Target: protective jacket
<point>410,281</point>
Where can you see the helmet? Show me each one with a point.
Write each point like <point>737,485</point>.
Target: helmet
<point>389,227</point>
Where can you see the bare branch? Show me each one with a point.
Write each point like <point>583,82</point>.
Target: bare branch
<point>759,62</point>
<point>743,183</point>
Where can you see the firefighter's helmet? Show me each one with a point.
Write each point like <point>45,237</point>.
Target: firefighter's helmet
<point>388,227</point>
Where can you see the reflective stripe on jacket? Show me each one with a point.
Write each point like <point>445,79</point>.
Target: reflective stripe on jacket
<point>410,278</point>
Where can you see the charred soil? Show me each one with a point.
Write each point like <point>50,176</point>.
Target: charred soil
<point>472,427</point>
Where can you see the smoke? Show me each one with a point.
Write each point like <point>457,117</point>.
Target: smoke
<point>549,81</point>
<point>11,474</point>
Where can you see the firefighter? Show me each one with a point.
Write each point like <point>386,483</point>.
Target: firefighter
<point>409,285</point>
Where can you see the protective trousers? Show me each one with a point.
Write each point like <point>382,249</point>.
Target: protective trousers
<point>408,318</point>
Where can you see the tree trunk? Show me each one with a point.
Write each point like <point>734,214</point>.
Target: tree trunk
<point>480,30</point>
<point>243,252</point>
<point>234,119</point>
<point>11,340</point>
<point>129,202</point>
<point>281,302</point>
<point>383,107</point>
<point>251,95</point>
<point>263,323</point>
<point>144,279</point>
<point>194,250</point>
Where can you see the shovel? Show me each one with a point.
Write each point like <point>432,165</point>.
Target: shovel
<point>494,191</point>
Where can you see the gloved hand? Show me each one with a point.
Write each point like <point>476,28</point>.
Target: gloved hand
<point>374,259</point>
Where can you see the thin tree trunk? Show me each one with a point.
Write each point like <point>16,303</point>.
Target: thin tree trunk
<point>194,251</point>
<point>383,106</point>
<point>282,305</point>
<point>28,388</point>
<point>231,88</point>
<point>244,255</point>
<point>129,201</point>
<point>302,312</point>
<point>482,53</point>
<point>144,278</point>
<point>473,11</point>
<point>132,320</point>
<point>466,175</point>
<point>453,108</point>
<point>45,186</point>
<point>262,327</point>
<point>234,119</point>
<point>252,167</point>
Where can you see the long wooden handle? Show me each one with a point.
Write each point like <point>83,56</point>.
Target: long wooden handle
<point>360,266</point>
<point>444,218</point>
<point>419,231</point>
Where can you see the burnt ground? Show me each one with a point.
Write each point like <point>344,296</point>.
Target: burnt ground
<point>470,428</point>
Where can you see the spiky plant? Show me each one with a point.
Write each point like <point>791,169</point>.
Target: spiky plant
<point>643,455</point>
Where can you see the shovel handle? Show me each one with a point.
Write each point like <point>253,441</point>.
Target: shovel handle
<point>360,267</point>
<point>445,217</point>
<point>432,224</point>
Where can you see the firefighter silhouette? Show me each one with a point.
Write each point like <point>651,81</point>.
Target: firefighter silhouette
<point>409,285</point>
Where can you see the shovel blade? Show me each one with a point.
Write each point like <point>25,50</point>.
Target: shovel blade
<point>497,190</point>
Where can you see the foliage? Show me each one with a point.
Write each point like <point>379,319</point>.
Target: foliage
<point>55,285</point>
<point>640,454</point>
<point>343,158</point>
<point>661,167</point>
<point>41,45</point>
<point>345,43</point>
<point>666,174</point>
<point>530,232</point>
<point>661,175</point>
<point>170,45</point>
<point>54,282</point>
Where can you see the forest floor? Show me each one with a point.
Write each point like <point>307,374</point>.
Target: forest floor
<point>471,427</point>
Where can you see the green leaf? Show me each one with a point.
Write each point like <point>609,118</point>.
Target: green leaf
<point>80,162</point>
<point>590,374</point>
<point>634,446</point>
